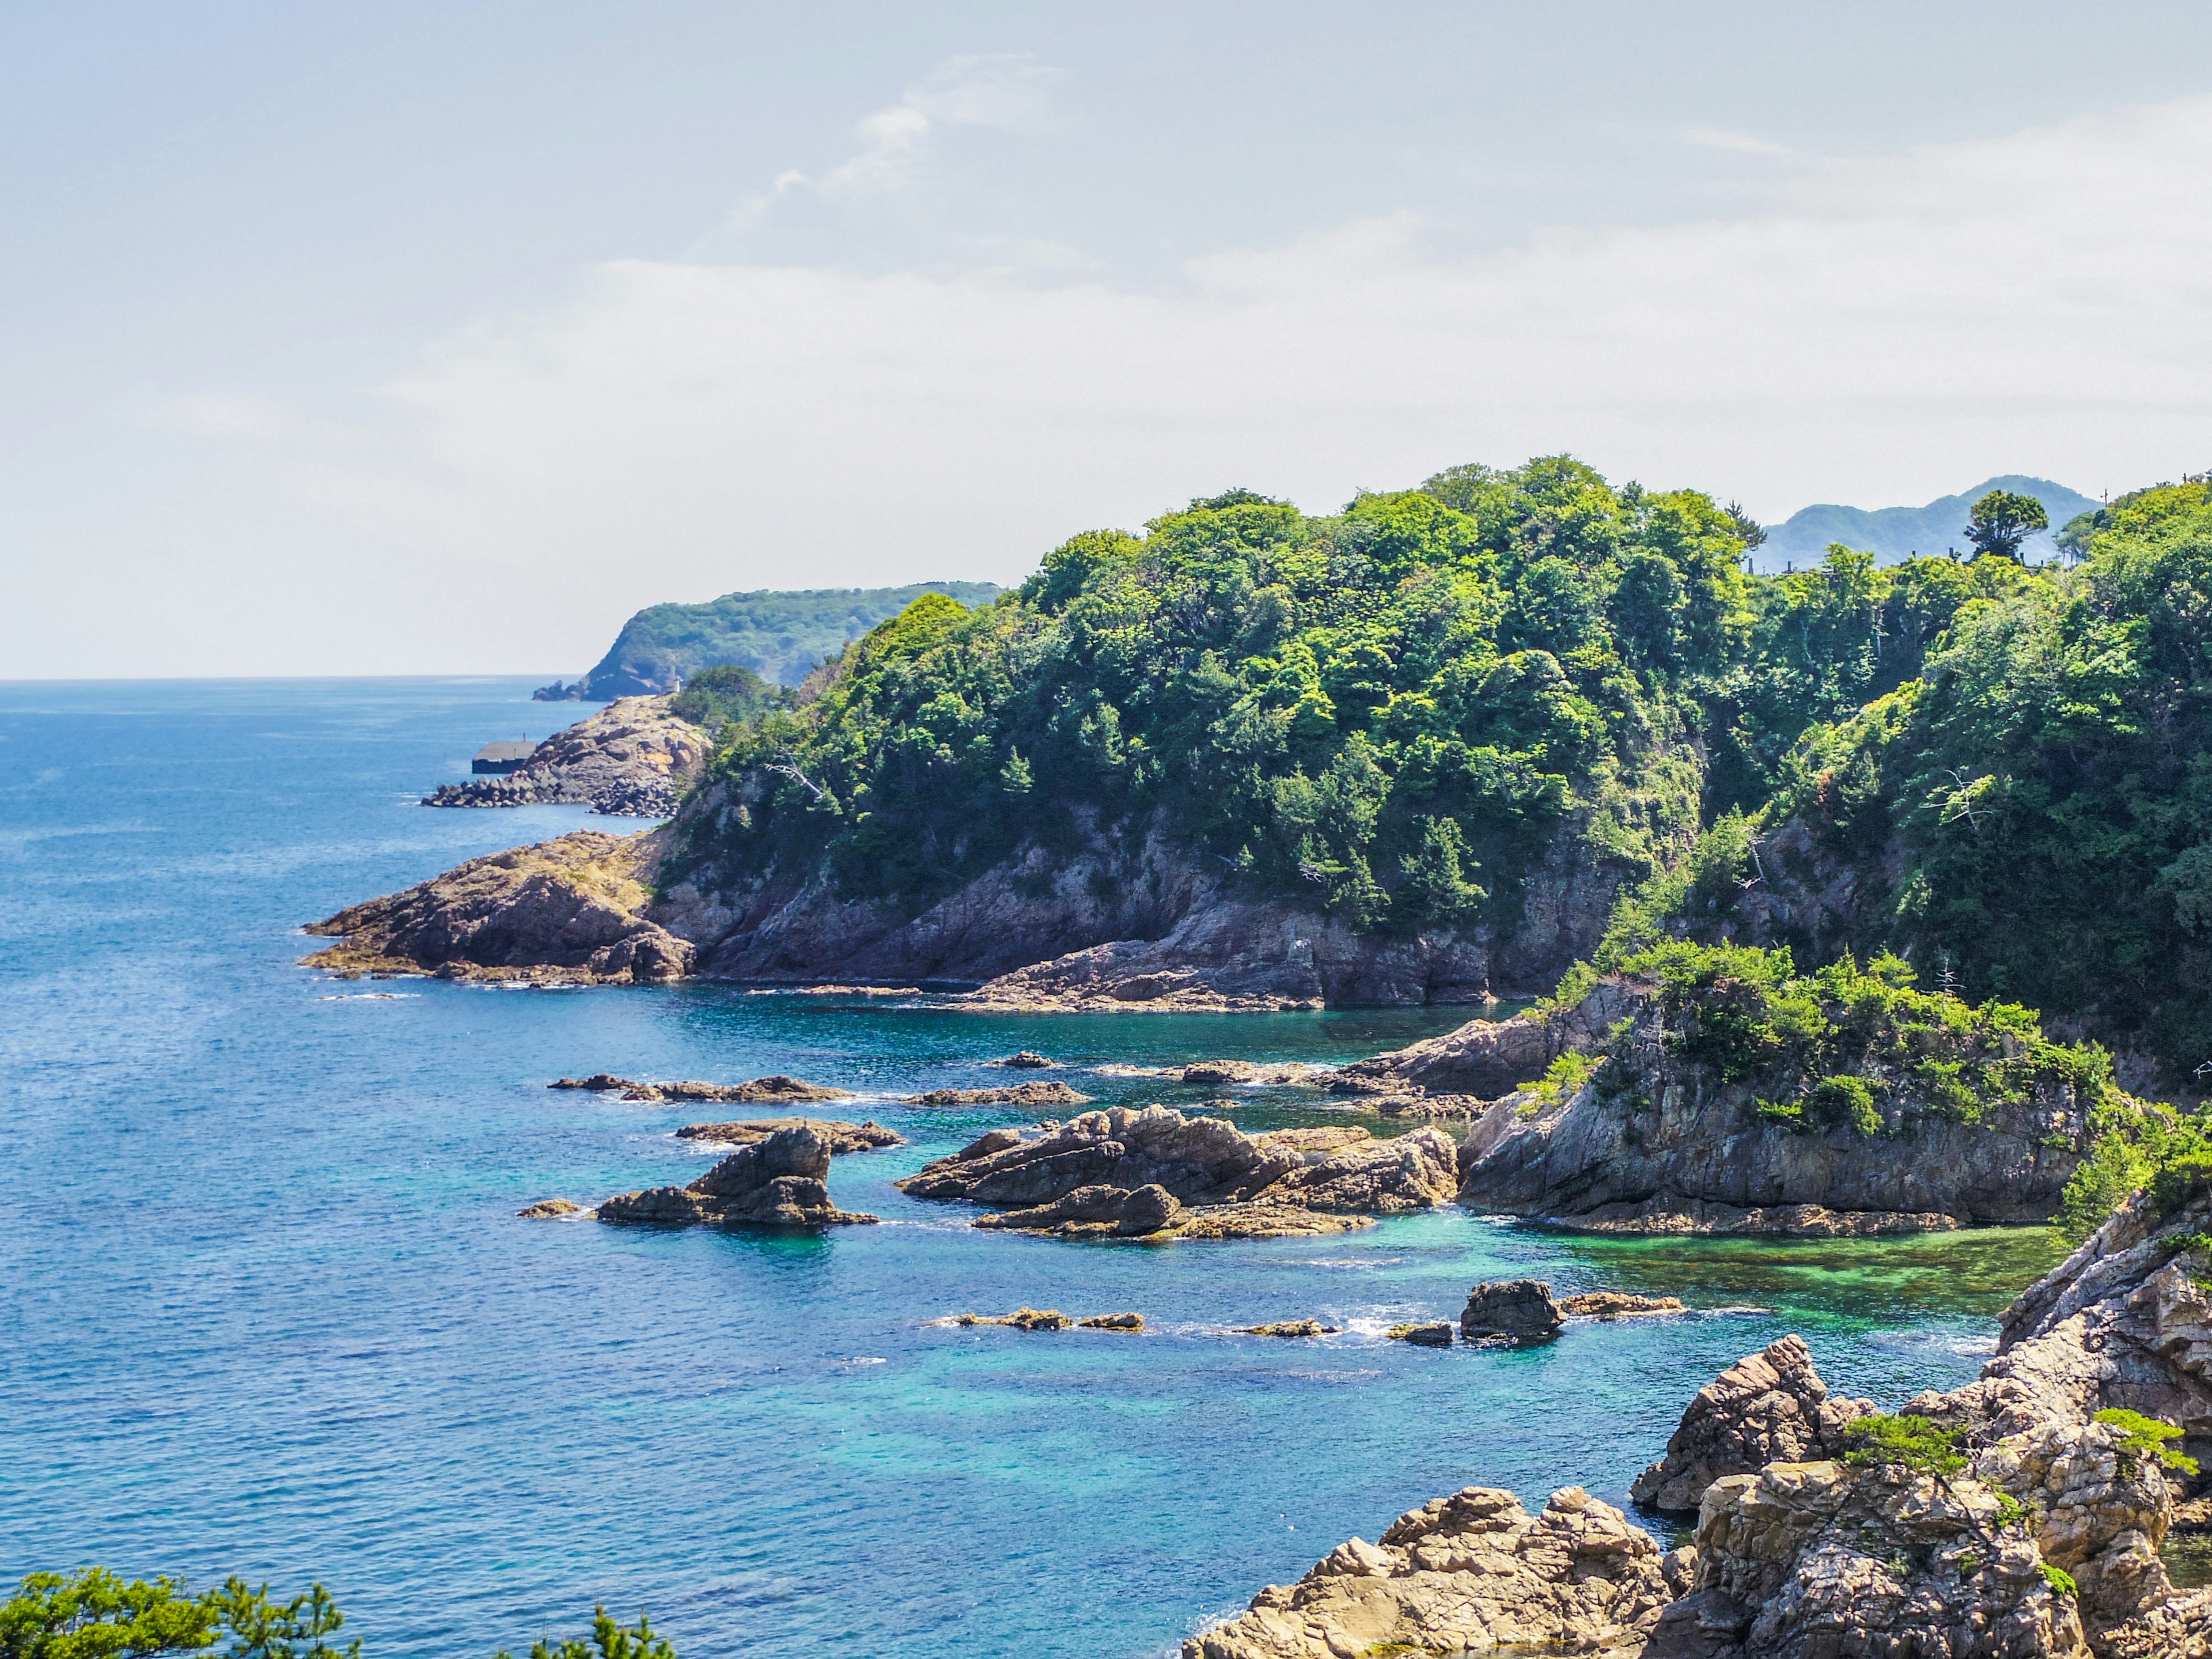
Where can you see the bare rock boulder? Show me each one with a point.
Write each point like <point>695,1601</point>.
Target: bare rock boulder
<point>1771,1407</point>
<point>1521,1309</point>
<point>781,1181</point>
<point>1096,1212</point>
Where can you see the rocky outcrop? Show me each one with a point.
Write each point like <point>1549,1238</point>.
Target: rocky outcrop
<point>1617,1305</point>
<point>1131,1173</point>
<point>632,758</point>
<point>1651,1142</point>
<point>1521,1309</point>
<point>1289,1327</point>
<point>775,1090</point>
<point>1771,1407</point>
<point>781,1181</point>
<point>566,912</point>
<point>1028,1059</point>
<point>842,1137</point>
<point>1473,1572</point>
<point>551,1209</point>
<point>1015,1094</point>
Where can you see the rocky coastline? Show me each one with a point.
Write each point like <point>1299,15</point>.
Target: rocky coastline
<point>1155,1174</point>
<point>633,758</point>
<point>2018,1517</point>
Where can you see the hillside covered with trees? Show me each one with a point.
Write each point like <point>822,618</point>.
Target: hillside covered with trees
<point>1397,714</point>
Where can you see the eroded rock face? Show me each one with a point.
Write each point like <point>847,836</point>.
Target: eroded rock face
<point>566,912</point>
<point>632,758</point>
<point>1472,1572</point>
<point>781,1181</point>
<point>1521,1309</point>
<point>843,1137</point>
<point>1771,1407</point>
<point>1088,1178</point>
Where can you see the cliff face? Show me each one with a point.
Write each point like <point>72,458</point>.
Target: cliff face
<point>1641,1135</point>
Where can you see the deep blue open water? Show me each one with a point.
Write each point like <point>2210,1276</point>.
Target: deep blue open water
<point>265,1307</point>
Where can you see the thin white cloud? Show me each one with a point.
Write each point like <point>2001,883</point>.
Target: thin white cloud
<point>1008,91</point>
<point>1740,143</point>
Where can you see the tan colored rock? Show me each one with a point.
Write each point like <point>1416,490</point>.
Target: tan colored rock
<point>1435,1335</point>
<point>1120,1322</point>
<point>1289,1328</point>
<point>569,911</point>
<point>550,1209</point>
<point>1472,1573</point>
<point>633,757</point>
<point>776,1090</point>
<point>1771,1407</point>
<point>1616,1304</point>
<point>1017,1094</point>
<point>1022,1319</point>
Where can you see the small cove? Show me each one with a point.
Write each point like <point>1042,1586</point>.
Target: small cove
<point>267,1308</point>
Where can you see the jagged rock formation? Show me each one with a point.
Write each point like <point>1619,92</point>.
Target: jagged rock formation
<point>1015,1094</point>
<point>1521,1309</point>
<point>781,1181</point>
<point>1769,1408</point>
<point>843,1137</point>
<point>1289,1328</point>
<point>2040,1540</point>
<point>775,1090</point>
<point>1436,1333</point>
<point>1473,1572</point>
<point>1653,1144</point>
<point>1128,1172</point>
<point>550,1209</point>
<point>566,912</point>
<point>1028,1059</point>
<point>1616,1304</point>
<point>633,758</point>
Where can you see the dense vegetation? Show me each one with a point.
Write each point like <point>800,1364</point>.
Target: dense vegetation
<point>1844,1048</point>
<point>96,1614</point>
<point>1399,711</point>
<point>778,636</point>
<point>1393,711</point>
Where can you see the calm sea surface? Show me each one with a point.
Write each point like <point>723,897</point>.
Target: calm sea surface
<point>265,1307</point>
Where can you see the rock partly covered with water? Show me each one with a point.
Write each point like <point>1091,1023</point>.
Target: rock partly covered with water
<point>569,911</point>
<point>1436,1333</point>
<point>1289,1327</point>
<point>1521,1309</point>
<point>1771,1407</point>
<point>775,1090</point>
<point>1473,1572</point>
<point>1617,1305</point>
<point>781,1181</point>
<point>843,1137</point>
<point>1013,1094</point>
<point>632,758</point>
<point>1128,1172</point>
<point>551,1209</point>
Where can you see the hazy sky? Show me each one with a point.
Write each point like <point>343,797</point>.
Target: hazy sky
<point>407,338</point>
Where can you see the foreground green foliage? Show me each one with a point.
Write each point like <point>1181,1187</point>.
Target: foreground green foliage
<point>96,1614</point>
<point>1847,1047</point>
<point>2135,1146</point>
<point>1903,1442</point>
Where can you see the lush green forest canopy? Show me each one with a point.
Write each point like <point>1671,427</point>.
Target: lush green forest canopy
<point>1399,711</point>
<point>777,635</point>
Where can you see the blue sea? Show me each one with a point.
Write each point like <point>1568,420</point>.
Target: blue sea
<point>265,1307</point>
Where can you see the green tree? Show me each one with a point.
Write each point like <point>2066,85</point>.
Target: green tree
<point>2003,520</point>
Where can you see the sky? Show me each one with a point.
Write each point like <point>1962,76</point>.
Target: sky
<point>422,339</point>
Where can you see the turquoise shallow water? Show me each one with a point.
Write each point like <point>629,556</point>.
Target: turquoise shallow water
<point>264,1306</point>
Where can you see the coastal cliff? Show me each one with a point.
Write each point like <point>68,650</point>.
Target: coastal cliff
<point>1713,1089</point>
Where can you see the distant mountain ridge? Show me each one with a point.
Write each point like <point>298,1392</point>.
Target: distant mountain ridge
<point>779,634</point>
<point>1891,533</point>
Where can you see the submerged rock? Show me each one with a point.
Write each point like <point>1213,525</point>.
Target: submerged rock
<point>1015,1094</point>
<point>781,1181</point>
<point>1473,1572</point>
<point>1437,1334</point>
<point>1771,1407</point>
<point>776,1090</point>
<point>1022,1319</point>
<point>1521,1309</point>
<point>843,1137</point>
<point>1616,1304</point>
<point>1289,1328</point>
